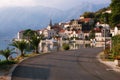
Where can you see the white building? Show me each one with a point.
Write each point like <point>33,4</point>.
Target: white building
<point>63,35</point>
<point>103,25</point>
<point>109,11</point>
<point>20,35</point>
<point>99,37</point>
<point>116,31</point>
<point>48,32</point>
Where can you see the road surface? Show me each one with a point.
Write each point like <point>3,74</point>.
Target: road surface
<point>79,64</point>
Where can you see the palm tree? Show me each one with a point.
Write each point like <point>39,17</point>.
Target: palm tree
<point>35,40</point>
<point>6,53</point>
<point>21,45</point>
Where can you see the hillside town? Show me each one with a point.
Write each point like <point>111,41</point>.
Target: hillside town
<point>84,48</point>
<point>77,29</point>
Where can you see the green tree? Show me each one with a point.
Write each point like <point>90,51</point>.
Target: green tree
<point>6,53</point>
<point>92,34</point>
<point>28,34</point>
<point>34,42</point>
<point>21,45</point>
<point>105,18</point>
<point>115,16</point>
<point>33,39</point>
<point>89,14</point>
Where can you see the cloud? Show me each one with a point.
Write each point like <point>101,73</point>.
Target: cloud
<point>60,4</point>
<point>65,4</point>
<point>47,3</point>
<point>8,3</point>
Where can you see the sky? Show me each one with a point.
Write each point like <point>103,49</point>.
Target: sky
<point>59,4</point>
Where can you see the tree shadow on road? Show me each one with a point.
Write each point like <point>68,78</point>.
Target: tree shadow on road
<point>31,73</point>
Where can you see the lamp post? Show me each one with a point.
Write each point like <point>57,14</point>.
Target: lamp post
<point>105,37</point>
<point>105,30</point>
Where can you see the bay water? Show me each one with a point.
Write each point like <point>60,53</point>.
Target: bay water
<point>4,43</point>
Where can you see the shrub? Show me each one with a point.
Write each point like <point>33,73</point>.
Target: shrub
<point>66,46</point>
<point>116,51</point>
<point>5,62</point>
<point>116,46</point>
<point>6,65</point>
<point>107,51</point>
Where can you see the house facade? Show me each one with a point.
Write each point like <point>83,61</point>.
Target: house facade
<point>115,31</point>
<point>20,35</point>
<point>48,33</point>
<point>99,37</point>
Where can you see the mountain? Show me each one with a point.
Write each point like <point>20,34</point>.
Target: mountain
<point>75,12</point>
<point>14,19</point>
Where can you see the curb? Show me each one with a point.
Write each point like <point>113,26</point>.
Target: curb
<point>9,76</point>
<point>10,72</point>
<point>13,68</point>
<point>110,64</point>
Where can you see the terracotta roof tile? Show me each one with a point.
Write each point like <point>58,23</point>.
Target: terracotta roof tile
<point>61,31</point>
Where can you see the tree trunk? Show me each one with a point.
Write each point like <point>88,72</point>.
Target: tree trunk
<point>36,50</point>
<point>7,59</point>
<point>22,54</point>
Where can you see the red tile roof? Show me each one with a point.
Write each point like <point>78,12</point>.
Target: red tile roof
<point>62,31</point>
<point>85,19</point>
<point>118,25</point>
<point>78,32</point>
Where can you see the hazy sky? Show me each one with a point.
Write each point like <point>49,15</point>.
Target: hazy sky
<point>60,4</point>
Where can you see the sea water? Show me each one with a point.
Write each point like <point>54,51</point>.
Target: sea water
<point>4,43</point>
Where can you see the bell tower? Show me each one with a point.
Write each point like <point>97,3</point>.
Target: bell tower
<point>50,25</point>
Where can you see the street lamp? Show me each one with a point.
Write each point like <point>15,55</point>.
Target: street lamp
<point>105,31</point>
<point>105,37</point>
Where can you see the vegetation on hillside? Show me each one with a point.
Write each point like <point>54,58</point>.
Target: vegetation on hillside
<point>99,16</point>
<point>102,16</point>
<point>115,16</point>
<point>113,19</point>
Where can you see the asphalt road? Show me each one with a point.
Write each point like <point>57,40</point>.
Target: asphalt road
<point>79,64</point>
